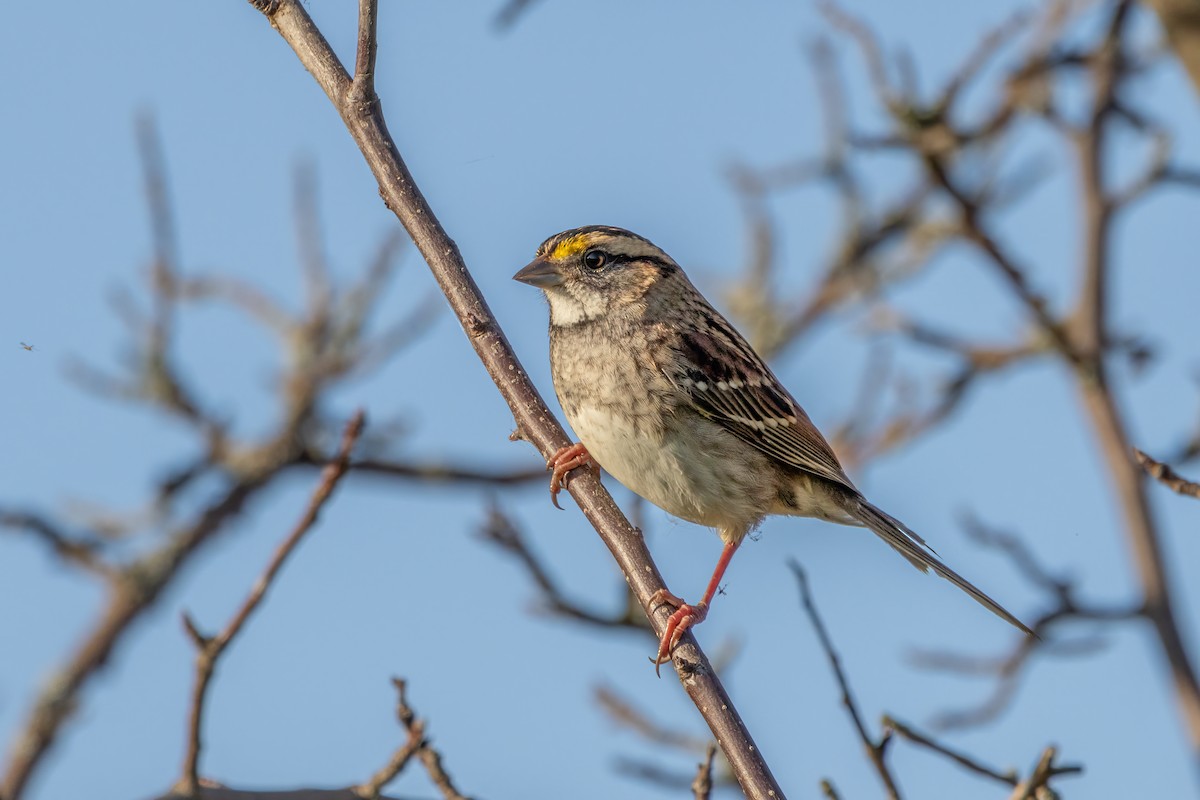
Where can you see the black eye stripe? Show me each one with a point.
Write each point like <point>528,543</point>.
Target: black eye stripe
<point>621,258</point>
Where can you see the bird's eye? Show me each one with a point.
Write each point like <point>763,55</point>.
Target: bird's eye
<point>594,259</point>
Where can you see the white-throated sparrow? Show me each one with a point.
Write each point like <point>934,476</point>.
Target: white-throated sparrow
<point>667,397</point>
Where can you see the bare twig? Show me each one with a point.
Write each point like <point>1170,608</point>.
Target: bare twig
<point>703,785</point>
<point>436,472</point>
<point>1081,337</point>
<point>218,792</point>
<point>863,441</point>
<point>82,551</point>
<point>136,589</point>
<point>432,760</point>
<point>501,531</point>
<point>1091,320</point>
<point>870,47</point>
<point>1029,789</point>
<point>428,756</point>
<point>876,749</point>
<point>210,649</point>
<point>368,46</point>
<point>623,712</point>
<point>396,764</point>
<point>1166,476</point>
<point>967,762</point>
<point>535,422</point>
<point>1181,24</point>
<point>416,745</point>
<point>1065,608</point>
<point>160,379</point>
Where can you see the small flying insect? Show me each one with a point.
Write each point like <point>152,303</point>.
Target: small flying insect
<point>26,346</point>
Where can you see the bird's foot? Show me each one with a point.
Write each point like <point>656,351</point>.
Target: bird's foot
<point>568,458</point>
<point>683,618</point>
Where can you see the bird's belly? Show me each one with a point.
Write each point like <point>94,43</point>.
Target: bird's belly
<point>706,488</point>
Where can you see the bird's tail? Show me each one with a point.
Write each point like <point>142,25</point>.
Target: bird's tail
<point>919,554</point>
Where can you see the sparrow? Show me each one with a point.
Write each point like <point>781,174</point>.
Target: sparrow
<point>669,399</point>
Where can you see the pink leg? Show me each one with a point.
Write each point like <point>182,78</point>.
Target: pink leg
<point>568,458</point>
<point>686,616</point>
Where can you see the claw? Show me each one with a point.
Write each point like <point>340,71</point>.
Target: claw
<point>683,618</point>
<point>568,458</point>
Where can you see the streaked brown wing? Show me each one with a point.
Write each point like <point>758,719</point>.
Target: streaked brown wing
<point>728,383</point>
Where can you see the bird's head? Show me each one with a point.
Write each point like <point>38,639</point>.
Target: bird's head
<point>597,271</point>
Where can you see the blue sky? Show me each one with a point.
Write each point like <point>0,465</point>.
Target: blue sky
<point>616,113</point>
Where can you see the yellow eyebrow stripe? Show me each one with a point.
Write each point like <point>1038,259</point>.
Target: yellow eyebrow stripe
<point>570,247</point>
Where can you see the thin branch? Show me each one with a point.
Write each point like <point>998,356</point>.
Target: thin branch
<point>870,47</point>
<point>864,441</point>
<point>368,46</point>
<point>135,590</point>
<point>983,53</point>
<point>1181,24</point>
<point>1043,773</point>
<point>535,422</point>
<point>396,764</point>
<point>211,648</point>
<point>500,530</point>
<point>876,749</point>
<point>314,262</point>
<point>967,762</point>
<point>442,472</point>
<point>219,792</point>
<point>1007,668</point>
<point>1018,551</point>
<point>416,745</point>
<point>78,550</point>
<point>252,301</point>
<point>428,756</point>
<point>703,785</point>
<point>1081,338</point>
<point>159,378</point>
<point>624,713</point>
<point>1166,476</point>
<point>1099,401</point>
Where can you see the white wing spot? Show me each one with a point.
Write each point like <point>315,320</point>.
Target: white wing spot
<point>702,386</point>
<point>735,384</point>
<point>723,386</point>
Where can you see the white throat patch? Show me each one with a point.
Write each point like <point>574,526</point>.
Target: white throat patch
<point>567,309</point>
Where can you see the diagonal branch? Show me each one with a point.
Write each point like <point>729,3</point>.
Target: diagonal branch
<point>962,759</point>
<point>876,749</point>
<point>416,746</point>
<point>82,551</point>
<point>1099,398</point>
<point>211,648</point>
<point>535,422</point>
<point>135,590</point>
<point>1166,476</point>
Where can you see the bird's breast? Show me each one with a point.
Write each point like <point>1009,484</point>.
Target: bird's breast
<point>632,420</point>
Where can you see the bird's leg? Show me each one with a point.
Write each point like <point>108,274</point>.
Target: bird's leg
<point>685,616</point>
<point>562,462</point>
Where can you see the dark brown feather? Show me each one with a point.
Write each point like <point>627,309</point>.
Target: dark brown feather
<point>728,383</point>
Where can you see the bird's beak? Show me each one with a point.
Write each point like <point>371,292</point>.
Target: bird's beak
<point>540,273</point>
